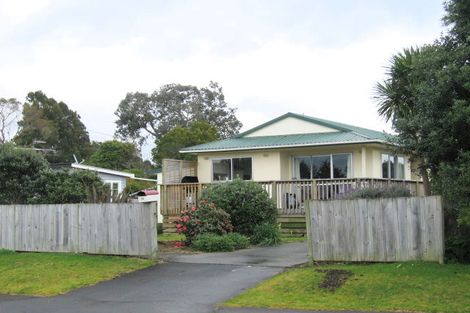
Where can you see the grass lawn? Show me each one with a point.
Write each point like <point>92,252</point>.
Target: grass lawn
<point>48,274</point>
<point>170,237</point>
<point>418,287</point>
<point>290,239</point>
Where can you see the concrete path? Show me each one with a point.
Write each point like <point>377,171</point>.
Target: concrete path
<point>287,255</point>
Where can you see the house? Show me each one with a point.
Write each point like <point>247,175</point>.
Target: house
<point>117,180</point>
<point>300,147</point>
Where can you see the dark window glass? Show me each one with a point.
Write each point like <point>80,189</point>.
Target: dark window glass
<point>242,168</point>
<point>341,164</point>
<point>385,166</point>
<point>221,169</point>
<point>321,167</point>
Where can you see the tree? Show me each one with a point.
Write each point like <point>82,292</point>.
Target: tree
<point>115,155</point>
<point>9,110</point>
<point>140,114</point>
<point>20,174</point>
<point>53,122</point>
<point>427,97</point>
<point>169,145</point>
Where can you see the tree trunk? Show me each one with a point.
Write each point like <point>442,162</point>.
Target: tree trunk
<point>426,184</point>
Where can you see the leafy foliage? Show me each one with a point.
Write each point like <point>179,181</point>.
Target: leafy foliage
<point>169,145</point>
<point>206,218</point>
<point>246,202</point>
<point>47,120</point>
<point>266,234</point>
<point>393,191</point>
<point>115,155</point>
<point>140,114</point>
<point>20,174</point>
<point>67,187</point>
<point>214,243</point>
<point>427,97</point>
<point>25,177</point>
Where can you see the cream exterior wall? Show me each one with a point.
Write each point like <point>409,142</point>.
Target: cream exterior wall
<point>290,126</point>
<point>278,164</point>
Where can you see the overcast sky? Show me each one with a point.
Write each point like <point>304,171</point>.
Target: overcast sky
<point>319,58</point>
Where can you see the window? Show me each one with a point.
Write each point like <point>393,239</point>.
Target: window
<point>113,187</point>
<point>393,166</point>
<point>227,169</point>
<point>323,166</point>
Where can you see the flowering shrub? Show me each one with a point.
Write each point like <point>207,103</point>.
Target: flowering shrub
<point>206,218</point>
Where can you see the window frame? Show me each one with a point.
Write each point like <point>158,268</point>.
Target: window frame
<point>330,155</point>
<point>396,158</point>
<point>110,183</point>
<point>231,167</point>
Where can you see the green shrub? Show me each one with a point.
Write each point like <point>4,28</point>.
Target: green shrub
<point>240,241</point>
<point>394,191</point>
<point>215,243</point>
<point>206,218</point>
<point>266,234</point>
<point>247,203</point>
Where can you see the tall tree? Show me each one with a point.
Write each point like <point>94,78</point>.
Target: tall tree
<point>115,155</point>
<point>9,111</point>
<point>140,115</point>
<point>169,145</point>
<point>47,120</point>
<point>427,97</point>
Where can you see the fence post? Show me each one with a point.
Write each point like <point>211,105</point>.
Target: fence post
<point>308,224</point>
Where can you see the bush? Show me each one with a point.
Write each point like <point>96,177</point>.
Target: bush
<point>240,241</point>
<point>266,235</point>
<point>247,203</point>
<point>216,243</point>
<point>206,218</point>
<point>394,191</point>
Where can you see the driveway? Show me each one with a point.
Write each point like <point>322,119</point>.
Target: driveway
<point>189,283</point>
<point>287,255</point>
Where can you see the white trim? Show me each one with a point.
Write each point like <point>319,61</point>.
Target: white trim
<point>288,146</point>
<point>102,170</point>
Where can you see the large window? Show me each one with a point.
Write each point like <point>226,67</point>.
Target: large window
<point>323,166</point>
<point>228,169</point>
<point>393,166</point>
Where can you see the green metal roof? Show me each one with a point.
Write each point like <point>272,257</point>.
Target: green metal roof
<point>345,134</point>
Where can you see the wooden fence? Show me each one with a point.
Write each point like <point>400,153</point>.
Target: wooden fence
<point>104,228</point>
<point>289,195</point>
<point>382,230</point>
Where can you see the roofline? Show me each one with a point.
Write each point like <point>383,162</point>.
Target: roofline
<point>288,146</point>
<point>102,170</point>
<point>290,114</point>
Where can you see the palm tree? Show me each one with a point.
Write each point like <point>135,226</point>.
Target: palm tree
<point>393,96</point>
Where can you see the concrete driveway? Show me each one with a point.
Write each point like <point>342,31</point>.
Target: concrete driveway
<point>187,283</point>
<point>286,255</point>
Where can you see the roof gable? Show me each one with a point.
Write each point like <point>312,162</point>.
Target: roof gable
<point>291,124</point>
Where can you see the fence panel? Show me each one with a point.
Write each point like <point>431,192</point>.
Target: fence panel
<point>104,228</point>
<point>377,230</point>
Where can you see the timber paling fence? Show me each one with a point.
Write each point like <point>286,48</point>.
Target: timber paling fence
<point>101,228</point>
<point>376,230</point>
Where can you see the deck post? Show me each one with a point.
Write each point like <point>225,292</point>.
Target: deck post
<point>274,193</point>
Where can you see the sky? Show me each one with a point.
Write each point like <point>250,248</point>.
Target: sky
<point>319,58</point>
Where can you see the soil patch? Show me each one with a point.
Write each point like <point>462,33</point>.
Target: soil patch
<point>334,279</point>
